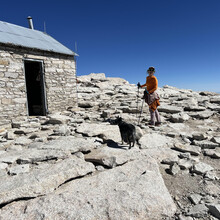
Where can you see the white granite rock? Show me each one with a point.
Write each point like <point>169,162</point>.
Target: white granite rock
<point>133,191</point>
<point>214,209</point>
<point>42,181</point>
<point>3,166</point>
<point>202,115</point>
<point>205,144</point>
<point>169,109</point>
<point>22,141</point>
<point>69,144</point>
<point>179,117</point>
<point>195,198</point>
<point>192,149</point>
<point>201,168</point>
<point>105,131</point>
<point>15,170</point>
<point>154,140</point>
<point>198,211</point>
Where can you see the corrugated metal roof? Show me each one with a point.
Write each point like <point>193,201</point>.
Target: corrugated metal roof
<point>25,37</point>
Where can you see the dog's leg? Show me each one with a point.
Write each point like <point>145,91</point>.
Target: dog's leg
<point>133,139</point>
<point>129,144</point>
<point>122,142</point>
<point>133,144</point>
<point>138,142</point>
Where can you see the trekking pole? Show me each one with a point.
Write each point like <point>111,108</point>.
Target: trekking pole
<point>137,104</point>
<point>141,111</point>
<point>77,99</point>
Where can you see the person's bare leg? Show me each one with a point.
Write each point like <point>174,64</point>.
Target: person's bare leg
<point>157,116</point>
<point>152,117</point>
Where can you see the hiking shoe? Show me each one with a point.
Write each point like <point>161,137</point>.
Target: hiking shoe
<point>158,123</point>
<point>150,124</point>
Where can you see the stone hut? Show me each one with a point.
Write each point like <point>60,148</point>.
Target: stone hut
<point>37,73</point>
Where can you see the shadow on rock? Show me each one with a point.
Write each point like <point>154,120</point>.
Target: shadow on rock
<point>113,144</point>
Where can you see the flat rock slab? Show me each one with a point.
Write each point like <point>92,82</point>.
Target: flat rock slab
<point>169,109</point>
<point>185,163</point>
<point>9,158</point>
<point>87,104</point>
<point>213,107</point>
<point>135,191</point>
<point>180,128</point>
<point>105,131</point>
<point>25,130</point>
<point>42,181</point>
<point>92,77</point>
<point>216,140</point>
<point>116,81</point>
<point>201,168</point>
<point>212,153</point>
<point>70,144</point>
<point>3,166</point>
<point>195,198</point>
<point>198,211</point>
<point>198,136</point>
<point>112,157</point>
<point>154,140</point>
<point>179,117</point>
<point>22,141</point>
<point>108,156</point>
<point>38,155</point>
<point>160,154</point>
<point>192,149</point>
<point>194,108</point>
<point>57,119</point>
<point>15,170</point>
<point>215,99</point>
<point>214,209</point>
<point>206,144</point>
<point>32,156</point>
<point>202,114</point>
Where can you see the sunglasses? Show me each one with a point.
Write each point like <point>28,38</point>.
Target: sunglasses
<point>150,70</point>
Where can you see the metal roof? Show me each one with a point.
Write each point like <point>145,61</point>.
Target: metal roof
<point>25,37</point>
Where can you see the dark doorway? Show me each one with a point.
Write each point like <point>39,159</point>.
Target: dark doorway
<point>35,88</point>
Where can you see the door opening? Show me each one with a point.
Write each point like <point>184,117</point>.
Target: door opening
<point>35,88</point>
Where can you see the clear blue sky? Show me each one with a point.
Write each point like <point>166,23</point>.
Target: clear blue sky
<point>122,38</point>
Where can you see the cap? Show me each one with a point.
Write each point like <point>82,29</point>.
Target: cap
<point>151,68</point>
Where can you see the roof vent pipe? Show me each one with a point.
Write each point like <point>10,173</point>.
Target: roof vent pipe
<point>30,22</point>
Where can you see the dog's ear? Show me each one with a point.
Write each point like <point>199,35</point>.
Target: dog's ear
<point>108,120</point>
<point>119,118</point>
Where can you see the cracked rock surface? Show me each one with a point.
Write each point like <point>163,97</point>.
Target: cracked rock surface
<point>73,165</point>
<point>103,196</point>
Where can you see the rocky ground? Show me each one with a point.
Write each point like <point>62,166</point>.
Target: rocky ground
<point>72,165</point>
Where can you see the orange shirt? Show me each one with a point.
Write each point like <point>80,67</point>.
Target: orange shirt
<point>151,84</point>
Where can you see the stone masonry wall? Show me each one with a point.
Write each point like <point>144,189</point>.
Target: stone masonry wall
<point>60,81</point>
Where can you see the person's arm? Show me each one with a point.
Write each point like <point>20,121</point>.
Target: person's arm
<point>155,85</point>
<point>144,85</point>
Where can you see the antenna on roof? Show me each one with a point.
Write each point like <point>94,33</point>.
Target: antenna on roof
<point>45,30</point>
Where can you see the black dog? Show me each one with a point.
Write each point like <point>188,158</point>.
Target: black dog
<point>128,131</point>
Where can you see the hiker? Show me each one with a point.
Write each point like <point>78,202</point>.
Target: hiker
<point>151,97</point>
